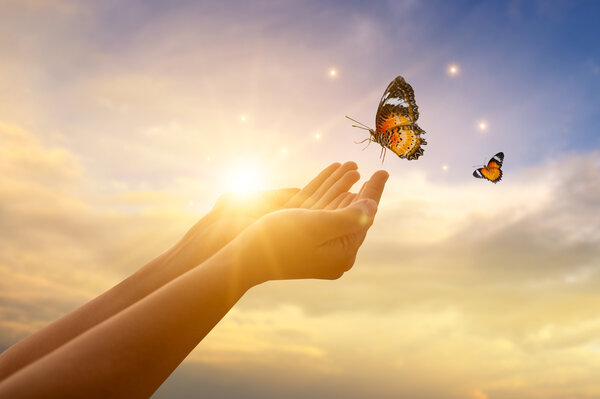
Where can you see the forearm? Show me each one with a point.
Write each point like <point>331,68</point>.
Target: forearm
<point>133,352</point>
<point>148,279</point>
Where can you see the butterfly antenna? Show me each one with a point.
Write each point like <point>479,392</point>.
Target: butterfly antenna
<point>360,123</point>
<point>360,127</point>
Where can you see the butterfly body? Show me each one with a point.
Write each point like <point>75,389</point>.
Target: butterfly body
<point>491,171</point>
<point>395,122</point>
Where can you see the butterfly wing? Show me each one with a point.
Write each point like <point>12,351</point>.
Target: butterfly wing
<point>496,161</point>
<point>492,171</point>
<point>395,121</point>
<point>494,174</point>
<point>406,141</point>
<point>397,106</point>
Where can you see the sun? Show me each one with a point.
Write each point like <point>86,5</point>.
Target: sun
<point>243,179</point>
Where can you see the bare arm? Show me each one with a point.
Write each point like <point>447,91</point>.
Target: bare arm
<point>225,221</point>
<point>133,352</point>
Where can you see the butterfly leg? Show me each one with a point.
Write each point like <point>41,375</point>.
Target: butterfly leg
<point>362,141</point>
<point>367,144</point>
<point>382,154</point>
<point>369,139</point>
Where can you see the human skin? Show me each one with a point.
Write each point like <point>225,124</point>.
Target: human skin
<point>230,215</point>
<point>126,342</point>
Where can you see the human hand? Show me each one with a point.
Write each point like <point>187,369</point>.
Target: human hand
<point>310,243</point>
<point>233,213</point>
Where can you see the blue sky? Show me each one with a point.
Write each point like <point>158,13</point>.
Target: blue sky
<point>529,68</point>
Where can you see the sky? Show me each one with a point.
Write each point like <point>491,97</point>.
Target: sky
<point>122,122</point>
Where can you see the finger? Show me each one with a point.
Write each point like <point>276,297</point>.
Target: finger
<point>338,200</point>
<point>348,200</point>
<point>255,204</point>
<point>328,183</point>
<point>276,199</point>
<point>341,222</point>
<point>311,187</point>
<point>373,188</point>
<point>362,188</point>
<point>342,185</point>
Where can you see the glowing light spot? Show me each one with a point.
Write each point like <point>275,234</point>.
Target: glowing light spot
<point>191,203</point>
<point>453,70</point>
<point>444,167</point>
<point>283,150</point>
<point>364,219</point>
<point>482,125</point>
<point>318,136</point>
<point>243,178</point>
<point>243,118</point>
<point>332,73</point>
<point>208,158</point>
<point>479,395</point>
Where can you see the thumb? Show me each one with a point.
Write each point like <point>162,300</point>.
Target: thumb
<point>347,220</point>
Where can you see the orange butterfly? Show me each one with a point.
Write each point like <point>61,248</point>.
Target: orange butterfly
<point>492,170</point>
<point>395,122</point>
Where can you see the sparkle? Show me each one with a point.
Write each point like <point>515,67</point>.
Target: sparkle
<point>482,125</point>
<point>243,118</point>
<point>332,73</point>
<point>318,136</point>
<point>453,70</point>
<point>208,158</point>
<point>444,167</point>
<point>283,150</point>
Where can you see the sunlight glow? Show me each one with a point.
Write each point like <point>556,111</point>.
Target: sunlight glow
<point>243,118</point>
<point>243,178</point>
<point>482,125</point>
<point>318,136</point>
<point>332,73</point>
<point>444,167</point>
<point>283,150</point>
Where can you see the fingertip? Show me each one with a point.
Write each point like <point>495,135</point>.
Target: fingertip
<point>382,174</point>
<point>354,174</point>
<point>351,164</point>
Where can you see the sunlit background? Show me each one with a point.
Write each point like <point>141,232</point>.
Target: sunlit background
<point>122,122</point>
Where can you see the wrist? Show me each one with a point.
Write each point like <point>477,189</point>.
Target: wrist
<point>244,260</point>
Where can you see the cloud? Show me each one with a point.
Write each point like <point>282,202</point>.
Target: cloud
<point>506,272</point>
<point>462,289</point>
<point>61,242</point>
<point>509,275</point>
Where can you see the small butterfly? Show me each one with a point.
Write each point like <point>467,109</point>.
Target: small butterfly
<point>492,170</point>
<point>395,122</point>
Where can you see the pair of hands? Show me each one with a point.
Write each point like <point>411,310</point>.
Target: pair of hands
<point>313,232</point>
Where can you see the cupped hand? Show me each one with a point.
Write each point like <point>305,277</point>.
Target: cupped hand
<point>311,243</point>
<point>233,213</point>
<point>304,243</point>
